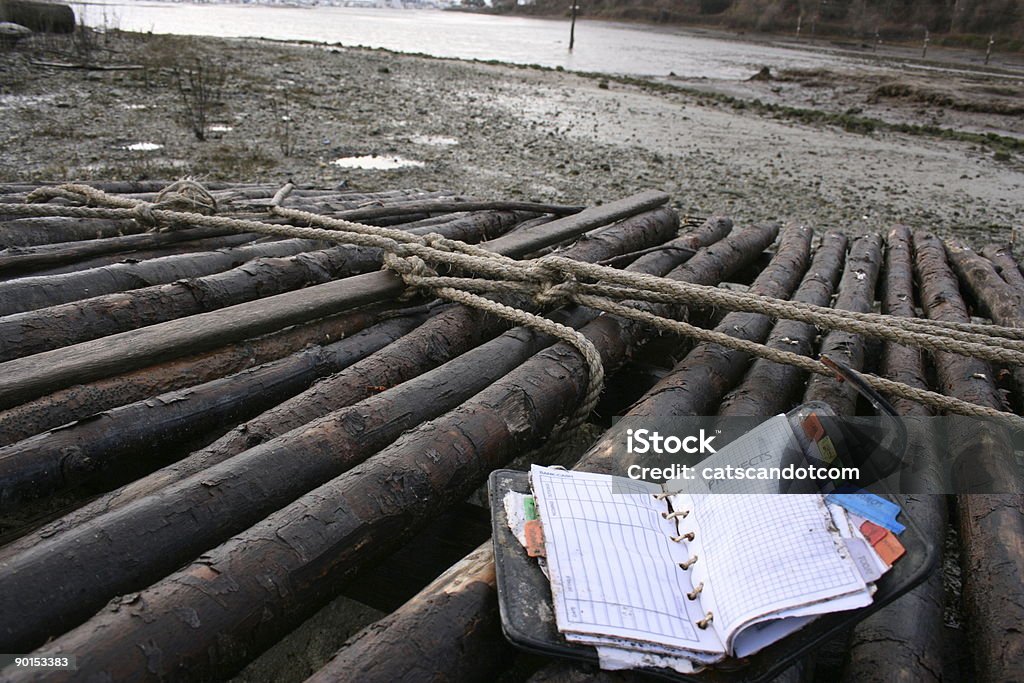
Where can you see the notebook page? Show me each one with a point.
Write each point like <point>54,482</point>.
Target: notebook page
<point>614,570</point>
<point>769,554</point>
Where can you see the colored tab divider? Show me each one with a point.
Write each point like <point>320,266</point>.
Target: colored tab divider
<point>870,507</point>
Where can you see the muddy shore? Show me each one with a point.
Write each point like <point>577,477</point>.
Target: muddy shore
<point>934,148</point>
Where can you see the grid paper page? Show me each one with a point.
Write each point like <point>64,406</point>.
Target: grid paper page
<point>614,570</point>
<point>763,554</point>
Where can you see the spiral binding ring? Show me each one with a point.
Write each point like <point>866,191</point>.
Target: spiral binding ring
<point>675,515</point>
<point>703,623</point>
<point>689,535</point>
<point>689,563</point>
<point>696,591</point>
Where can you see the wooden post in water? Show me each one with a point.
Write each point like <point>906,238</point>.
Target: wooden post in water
<point>924,48</point>
<point>572,25</point>
<point>988,51</point>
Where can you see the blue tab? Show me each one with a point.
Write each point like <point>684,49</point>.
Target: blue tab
<point>870,507</point>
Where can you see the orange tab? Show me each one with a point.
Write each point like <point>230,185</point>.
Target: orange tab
<point>889,549</point>
<point>812,427</point>
<point>534,533</point>
<point>873,532</point>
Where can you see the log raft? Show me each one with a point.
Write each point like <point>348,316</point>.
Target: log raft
<point>277,356</point>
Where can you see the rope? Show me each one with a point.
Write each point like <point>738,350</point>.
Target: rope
<point>426,262</point>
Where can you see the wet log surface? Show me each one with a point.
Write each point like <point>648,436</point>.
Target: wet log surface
<point>856,293</point>
<point>991,525</point>
<point>768,388</point>
<point>904,640</point>
<point>30,232</point>
<point>425,469</point>
<point>56,326</point>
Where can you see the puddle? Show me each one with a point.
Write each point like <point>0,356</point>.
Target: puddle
<point>143,147</point>
<point>135,107</point>
<point>376,163</point>
<point>220,128</point>
<point>434,140</point>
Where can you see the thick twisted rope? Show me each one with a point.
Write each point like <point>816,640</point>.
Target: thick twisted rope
<point>554,279</point>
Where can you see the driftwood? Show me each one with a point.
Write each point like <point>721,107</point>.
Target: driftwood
<point>768,387</point>
<point>991,525</point>
<point>48,462</point>
<point>431,207</point>
<point>56,326</point>
<point>856,293</point>
<point>26,294</point>
<point>28,378</point>
<point>79,401</point>
<point>435,464</point>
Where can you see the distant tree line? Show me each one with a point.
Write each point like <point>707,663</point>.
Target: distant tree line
<point>967,22</point>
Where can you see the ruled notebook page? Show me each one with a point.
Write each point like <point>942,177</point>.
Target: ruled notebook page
<point>614,570</point>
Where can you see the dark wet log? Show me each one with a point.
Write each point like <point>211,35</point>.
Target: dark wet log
<point>49,462</point>
<point>432,207</point>
<point>1001,256</point>
<point>696,384</point>
<point>28,232</point>
<point>447,335</point>
<point>904,641</point>
<point>79,401</point>
<point>991,525</point>
<point>56,326</point>
<point>994,296</point>
<point>21,259</point>
<point>768,388</point>
<point>42,17</point>
<point>28,378</point>
<point>436,629</point>
<point>29,293</point>
<point>856,293</point>
<point>373,507</point>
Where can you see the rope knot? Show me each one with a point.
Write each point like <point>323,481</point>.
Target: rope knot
<point>186,195</point>
<point>556,293</point>
<point>143,213</point>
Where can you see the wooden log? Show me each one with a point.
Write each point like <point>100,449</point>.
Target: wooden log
<point>21,259</point>
<point>28,378</point>
<point>77,321</point>
<point>79,401</point>
<point>49,462</point>
<point>440,339</point>
<point>28,232</point>
<point>451,625</point>
<point>428,468</point>
<point>991,525</point>
<point>28,293</point>
<point>768,388</point>
<point>432,207</point>
<point>904,641</point>
<point>856,293</point>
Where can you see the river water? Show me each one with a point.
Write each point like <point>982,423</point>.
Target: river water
<point>600,46</point>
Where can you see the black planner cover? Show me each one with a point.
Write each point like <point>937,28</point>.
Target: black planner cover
<point>528,617</point>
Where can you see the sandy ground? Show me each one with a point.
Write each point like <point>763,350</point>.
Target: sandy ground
<point>289,111</point>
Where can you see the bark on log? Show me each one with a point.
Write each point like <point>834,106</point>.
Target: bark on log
<point>452,624</point>
<point>1001,256</point>
<point>28,378</point>
<point>48,328</point>
<point>26,294</point>
<point>434,207</point>
<point>29,232</point>
<point>79,401</point>
<point>991,525</point>
<point>49,462</point>
<point>856,293</point>
<point>903,641</point>
<point>376,503</point>
<point>768,388</point>
<point>440,339</point>
<point>21,259</point>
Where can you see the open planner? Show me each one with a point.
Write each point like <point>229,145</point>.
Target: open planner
<point>684,580</point>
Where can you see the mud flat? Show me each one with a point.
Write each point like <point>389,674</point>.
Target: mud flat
<point>853,150</point>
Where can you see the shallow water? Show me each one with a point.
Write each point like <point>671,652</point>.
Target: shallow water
<point>600,46</point>
<point>376,163</point>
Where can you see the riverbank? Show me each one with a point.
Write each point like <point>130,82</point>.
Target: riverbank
<point>827,148</point>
